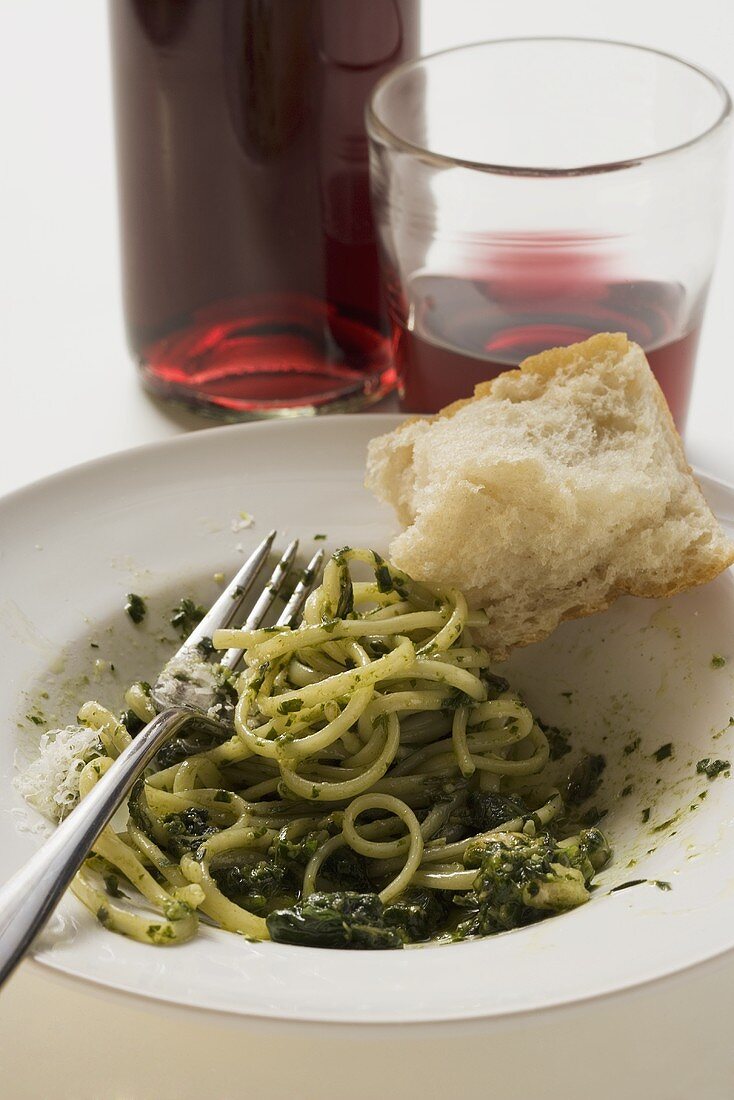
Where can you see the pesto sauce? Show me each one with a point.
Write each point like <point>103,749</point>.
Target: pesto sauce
<point>712,768</point>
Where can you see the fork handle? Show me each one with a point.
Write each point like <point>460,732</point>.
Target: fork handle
<point>29,898</point>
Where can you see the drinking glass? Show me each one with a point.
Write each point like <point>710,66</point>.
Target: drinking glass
<point>531,192</point>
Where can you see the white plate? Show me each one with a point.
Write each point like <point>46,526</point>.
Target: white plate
<point>158,520</point>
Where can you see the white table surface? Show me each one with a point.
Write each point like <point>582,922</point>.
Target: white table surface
<point>71,395</point>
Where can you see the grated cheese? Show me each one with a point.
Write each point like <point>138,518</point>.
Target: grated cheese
<point>51,783</point>
<point>201,678</point>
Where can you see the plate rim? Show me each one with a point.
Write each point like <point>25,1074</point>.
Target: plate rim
<point>264,1022</point>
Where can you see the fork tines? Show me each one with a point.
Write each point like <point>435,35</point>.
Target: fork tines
<point>224,610</point>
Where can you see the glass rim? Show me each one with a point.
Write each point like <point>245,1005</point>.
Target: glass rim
<point>379,131</point>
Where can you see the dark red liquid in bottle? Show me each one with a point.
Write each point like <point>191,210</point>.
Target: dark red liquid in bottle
<point>250,267</point>
<point>464,331</point>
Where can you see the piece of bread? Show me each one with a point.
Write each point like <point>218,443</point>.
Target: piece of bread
<point>556,488</point>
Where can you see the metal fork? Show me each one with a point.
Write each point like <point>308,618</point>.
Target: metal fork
<point>29,898</point>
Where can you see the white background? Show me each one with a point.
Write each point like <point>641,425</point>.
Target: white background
<point>70,388</point>
<point>70,394</point>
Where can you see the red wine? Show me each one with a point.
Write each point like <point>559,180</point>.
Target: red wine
<point>467,330</point>
<point>250,268</point>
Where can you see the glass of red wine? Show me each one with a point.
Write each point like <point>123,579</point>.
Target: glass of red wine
<point>531,192</point>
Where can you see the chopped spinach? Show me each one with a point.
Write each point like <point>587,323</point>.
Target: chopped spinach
<point>455,700</point>
<point>296,853</point>
<point>345,603</point>
<point>290,706</point>
<point>660,883</point>
<point>592,816</point>
<point>257,884</point>
<point>627,885</point>
<point>131,722</point>
<point>137,807</point>
<point>345,920</point>
<point>345,869</point>
<point>712,768</point>
<point>489,809</point>
<point>112,886</point>
<point>135,607</point>
<point>585,779</point>
<point>196,738</point>
<point>417,914</point>
<point>496,685</point>
<point>185,832</point>
<point>186,615</point>
<point>558,741</point>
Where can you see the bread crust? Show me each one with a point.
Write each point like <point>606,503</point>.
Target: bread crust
<point>613,594</point>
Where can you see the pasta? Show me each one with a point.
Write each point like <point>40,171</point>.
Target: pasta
<point>378,786</point>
